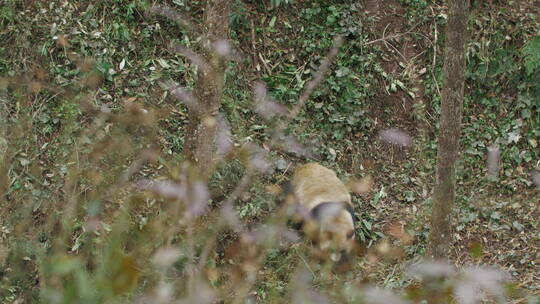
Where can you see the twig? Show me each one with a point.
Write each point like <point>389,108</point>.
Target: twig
<point>395,49</point>
<point>240,188</point>
<point>387,38</point>
<point>307,265</point>
<point>396,35</point>
<point>268,69</point>
<point>254,47</point>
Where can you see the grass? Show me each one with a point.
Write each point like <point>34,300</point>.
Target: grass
<point>74,226</point>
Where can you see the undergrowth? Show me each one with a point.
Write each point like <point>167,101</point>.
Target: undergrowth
<point>90,122</point>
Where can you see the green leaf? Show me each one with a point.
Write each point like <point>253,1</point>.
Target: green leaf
<point>272,21</point>
<point>518,226</point>
<point>367,224</point>
<point>531,51</point>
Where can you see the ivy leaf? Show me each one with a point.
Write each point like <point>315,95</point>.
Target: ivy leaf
<point>518,226</point>
<point>513,137</point>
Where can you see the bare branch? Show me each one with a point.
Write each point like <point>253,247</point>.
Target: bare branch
<point>170,13</point>
<point>264,105</point>
<point>224,141</point>
<point>192,56</point>
<point>310,87</point>
<point>186,97</point>
<point>318,77</point>
<point>493,160</point>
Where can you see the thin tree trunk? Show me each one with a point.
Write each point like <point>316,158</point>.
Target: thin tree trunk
<point>440,237</point>
<point>4,178</point>
<point>3,124</point>
<point>199,143</point>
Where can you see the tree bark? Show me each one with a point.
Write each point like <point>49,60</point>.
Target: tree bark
<point>440,237</point>
<point>4,178</point>
<point>3,124</point>
<point>199,140</point>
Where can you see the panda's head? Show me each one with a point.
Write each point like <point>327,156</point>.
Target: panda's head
<point>331,226</point>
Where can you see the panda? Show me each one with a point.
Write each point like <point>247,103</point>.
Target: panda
<point>328,216</point>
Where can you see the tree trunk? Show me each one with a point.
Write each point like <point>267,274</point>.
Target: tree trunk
<point>4,178</point>
<point>3,124</point>
<point>440,237</point>
<point>199,143</point>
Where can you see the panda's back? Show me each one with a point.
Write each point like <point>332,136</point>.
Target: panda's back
<point>314,184</point>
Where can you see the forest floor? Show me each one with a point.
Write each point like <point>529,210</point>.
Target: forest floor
<point>489,226</point>
<point>388,75</point>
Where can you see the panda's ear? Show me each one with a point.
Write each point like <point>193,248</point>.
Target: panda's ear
<point>324,209</point>
<point>350,209</point>
<point>317,212</point>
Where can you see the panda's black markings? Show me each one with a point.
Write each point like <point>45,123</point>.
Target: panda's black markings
<point>318,212</point>
<point>350,209</point>
<point>296,225</point>
<point>287,188</point>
